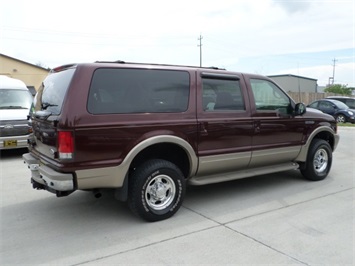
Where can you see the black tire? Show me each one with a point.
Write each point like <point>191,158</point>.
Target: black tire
<point>319,160</point>
<point>156,190</point>
<point>341,119</point>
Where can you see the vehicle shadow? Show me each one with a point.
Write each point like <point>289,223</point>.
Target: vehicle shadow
<point>13,153</point>
<point>238,199</point>
<point>234,196</point>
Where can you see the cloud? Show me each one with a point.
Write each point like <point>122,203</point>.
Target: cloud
<point>293,6</point>
<point>159,31</point>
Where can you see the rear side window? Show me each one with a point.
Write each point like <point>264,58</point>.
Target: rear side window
<point>50,95</point>
<point>122,91</point>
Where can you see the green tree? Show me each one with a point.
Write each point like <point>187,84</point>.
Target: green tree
<point>339,89</point>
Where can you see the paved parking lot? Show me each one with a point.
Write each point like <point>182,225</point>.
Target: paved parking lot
<point>271,219</point>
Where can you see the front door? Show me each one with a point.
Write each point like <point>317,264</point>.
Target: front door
<point>277,134</point>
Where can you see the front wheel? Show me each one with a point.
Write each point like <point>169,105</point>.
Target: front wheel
<point>319,160</point>
<point>341,119</point>
<point>156,190</point>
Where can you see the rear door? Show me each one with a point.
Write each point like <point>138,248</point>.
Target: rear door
<point>224,123</point>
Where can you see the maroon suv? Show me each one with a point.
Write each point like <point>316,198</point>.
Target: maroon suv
<point>148,130</point>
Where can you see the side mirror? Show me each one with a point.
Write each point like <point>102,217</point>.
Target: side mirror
<point>300,109</point>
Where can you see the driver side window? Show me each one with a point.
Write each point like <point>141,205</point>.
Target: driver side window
<point>269,97</point>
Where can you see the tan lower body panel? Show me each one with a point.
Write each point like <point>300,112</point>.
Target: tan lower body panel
<point>274,156</point>
<point>108,177</point>
<point>220,168</point>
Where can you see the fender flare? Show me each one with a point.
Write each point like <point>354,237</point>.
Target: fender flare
<point>302,156</point>
<point>193,160</point>
<point>121,193</point>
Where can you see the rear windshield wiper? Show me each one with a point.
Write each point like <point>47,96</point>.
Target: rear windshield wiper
<point>45,105</point>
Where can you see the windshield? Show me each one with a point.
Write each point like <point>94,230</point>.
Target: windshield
<point>341,105</point>
<point>50,95</point>
<point>15,99</point>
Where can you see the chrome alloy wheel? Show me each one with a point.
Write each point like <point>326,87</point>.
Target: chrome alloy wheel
<point>160,192</point>
<point>320,161</point>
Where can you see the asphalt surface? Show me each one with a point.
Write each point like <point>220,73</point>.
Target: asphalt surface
<point>271,219</point>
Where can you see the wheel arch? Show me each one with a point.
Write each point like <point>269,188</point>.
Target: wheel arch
<point>166,147</point>
<point>324,132</point>
<point>181,154</point>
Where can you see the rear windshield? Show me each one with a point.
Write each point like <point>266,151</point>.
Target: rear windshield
<point>15,99</point>
<point>115,91</point>
<point>50,95</point>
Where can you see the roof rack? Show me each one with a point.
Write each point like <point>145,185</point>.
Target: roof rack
<point>154,64</point>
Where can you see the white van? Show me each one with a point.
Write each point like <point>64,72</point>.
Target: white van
<point>15,104</point>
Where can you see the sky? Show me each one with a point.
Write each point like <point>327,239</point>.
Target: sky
<point>310,38</point>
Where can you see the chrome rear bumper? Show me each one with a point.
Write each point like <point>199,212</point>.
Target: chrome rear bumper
<point>47,178</point>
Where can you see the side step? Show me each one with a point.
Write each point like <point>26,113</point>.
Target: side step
<point>216,178</point>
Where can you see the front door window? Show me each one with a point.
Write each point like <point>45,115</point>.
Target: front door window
<point>269,97</point>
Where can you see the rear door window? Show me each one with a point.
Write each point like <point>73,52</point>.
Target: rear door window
<point>222,95</point>
<point>122,91</point>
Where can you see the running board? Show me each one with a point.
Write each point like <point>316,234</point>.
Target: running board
<point>216,178</point>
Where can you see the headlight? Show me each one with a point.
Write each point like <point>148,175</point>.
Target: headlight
<point>350,113</point>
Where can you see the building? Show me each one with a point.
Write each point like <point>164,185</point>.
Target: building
<point>293,83</point>
<point>31,75</point>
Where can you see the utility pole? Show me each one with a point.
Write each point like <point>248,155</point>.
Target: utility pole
<point>200,45</point>
<point>334,60</point>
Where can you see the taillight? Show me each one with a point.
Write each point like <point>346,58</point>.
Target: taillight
<point>65,144</point>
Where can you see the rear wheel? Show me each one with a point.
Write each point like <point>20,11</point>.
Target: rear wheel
<point>319,160</point>
<point>156,191</point>
<point>341,119</point>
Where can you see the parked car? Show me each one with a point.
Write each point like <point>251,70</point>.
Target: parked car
<point>340,111</point>
<point>350,102</point>
<point>15,103</point>
<point>146,131</point>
